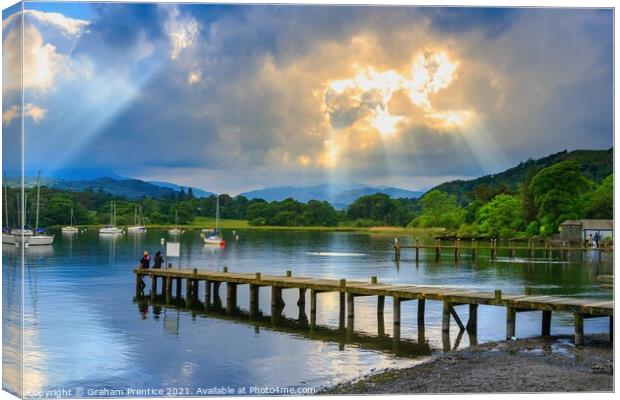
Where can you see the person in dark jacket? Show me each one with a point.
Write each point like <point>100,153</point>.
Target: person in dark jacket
<point>158,260</point>
<point>145,261</point>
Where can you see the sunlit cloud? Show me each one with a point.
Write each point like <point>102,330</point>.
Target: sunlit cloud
<point>182,31</point>
<point>32,111</point>
<point>194,77</point>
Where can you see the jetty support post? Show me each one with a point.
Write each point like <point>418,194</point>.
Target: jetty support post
<point>511,318</point>
<point>139,284</point>
<point>231,297</point>
<point>301,302</point>
<point>168,289</point>
<point>254,300</point>
<point>546,323</point>
<point>578,329</point>
<point>421,307</point>
<point>472,322</point>
<point>350,311</point>
<point>313,294</point>
<point>396,317</point>
<point>457,250</point>
<point>153,286</point>
<point>342,310</point>
<point>396,250</point>
<point>437,249</point>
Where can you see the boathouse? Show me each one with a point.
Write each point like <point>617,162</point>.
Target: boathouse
<point>580,230</point>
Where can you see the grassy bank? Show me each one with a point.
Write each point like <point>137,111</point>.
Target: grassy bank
<point>238,224</point>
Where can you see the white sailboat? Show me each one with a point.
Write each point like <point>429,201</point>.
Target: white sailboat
<point>175,230</point>
<point>215,238</point>
<point>70,229</point>
<point>137,220</point>
<point>111,229</point>
<point>39,236</point>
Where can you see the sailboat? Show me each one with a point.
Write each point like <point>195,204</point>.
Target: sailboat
<point>137,220</point>
<point>39,236</point>
<point>175,230</point>
<point>215,237</point>
<point>70,229</point>
<point>111,229</point>
<point>7,237</point>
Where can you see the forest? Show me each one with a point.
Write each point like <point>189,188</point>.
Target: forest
<point>544,198</point>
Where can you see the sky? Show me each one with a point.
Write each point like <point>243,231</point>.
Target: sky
<point>233,98</point>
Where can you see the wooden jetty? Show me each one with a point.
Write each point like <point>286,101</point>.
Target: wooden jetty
<point>348,290</point>
<point>529,250</point>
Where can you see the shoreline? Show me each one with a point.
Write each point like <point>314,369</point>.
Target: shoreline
<point>516,366</point>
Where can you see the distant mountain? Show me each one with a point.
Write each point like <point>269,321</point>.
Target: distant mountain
<point>595,165</point>
<point>129,188</point>
<point>81,173</point>
<point>339,197</point>
<point>177,188</point>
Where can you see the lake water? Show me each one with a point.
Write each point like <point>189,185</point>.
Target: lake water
<point>83,329</point>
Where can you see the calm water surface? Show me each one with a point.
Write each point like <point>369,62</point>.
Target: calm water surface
<point>83,329</point>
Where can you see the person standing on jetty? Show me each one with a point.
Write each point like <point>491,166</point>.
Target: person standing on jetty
<point>158,260</point>
<point>597,238</point>
<point>145,261</point>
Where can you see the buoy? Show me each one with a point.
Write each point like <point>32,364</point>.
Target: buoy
<point>162,240</point>
<point>237,237</point>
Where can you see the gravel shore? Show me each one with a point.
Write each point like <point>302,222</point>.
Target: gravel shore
<point>524,365</point>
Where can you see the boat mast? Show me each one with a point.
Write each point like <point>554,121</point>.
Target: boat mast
<point>36,223</point>
<point>217,212</point>
<point>6,203</point>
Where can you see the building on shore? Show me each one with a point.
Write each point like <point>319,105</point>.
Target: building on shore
<point>581,229</point>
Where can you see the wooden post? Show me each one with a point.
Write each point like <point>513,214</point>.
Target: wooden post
<point>225,269</point>
<point>396,317</point>
<point>546,323</point>
<point>578,329</point>
<point>341,313</point>
<point>498,296</point>
<point>417,249</point>
<point>373,280</point>
<point>396,251</point>
<point>380,305</point>
<point>611,329</point>
<point>350,311</point>
<point>216,294</point>
<point>289,273</point>
<point>168,289</point>
<point>139,285</point>
<point>529,247</point>
<point>511,249</point>
<point>231,297</point>
<point>527,291</point>
<point>493,249</point>
<point>445,317</point>
<point>437,249</point>
<point>153,285</point>
<point>472,322</point>
<point>254,300</point>
<point>302,298</point>
<point>511,317</point>
<point>457,249</point>
<point>195,289</point>
<point>312,308</point>
<point>207,293</point>
<point>178,287</point>
<point>421,307</point>
<point>188,290</point>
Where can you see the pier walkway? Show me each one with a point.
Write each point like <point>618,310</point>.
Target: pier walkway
<point>348,290</point>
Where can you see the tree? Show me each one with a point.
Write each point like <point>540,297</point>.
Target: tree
<point>439,209</point>
<point>501,216</point>
<point>557,192</point>
<point>320,213</point>
<point>377,207</point>
<point>600,203</point>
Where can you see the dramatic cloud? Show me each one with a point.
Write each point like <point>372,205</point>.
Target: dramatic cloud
<point>30,110</point>
<point>233,97</point>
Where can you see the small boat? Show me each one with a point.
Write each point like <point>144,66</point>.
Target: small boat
<point>176,230</point>
<point>137,220</point>
<point>215,238</point>
<point>7,238</point>
<point>111,229</point>
<point>70,229</point>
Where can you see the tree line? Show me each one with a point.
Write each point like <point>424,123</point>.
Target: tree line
<point>547,197</point>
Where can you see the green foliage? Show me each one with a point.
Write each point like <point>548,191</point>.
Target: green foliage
<point>599,204</point>
<point>439,209</point>
<point>501,216</point>
<point>557,192</point>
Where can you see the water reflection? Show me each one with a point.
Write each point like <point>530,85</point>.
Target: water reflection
<point>77,296</point>
<point>298,327</point>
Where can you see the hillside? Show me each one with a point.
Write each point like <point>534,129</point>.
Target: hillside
<point>595,165</point>
<point>339,198</point>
